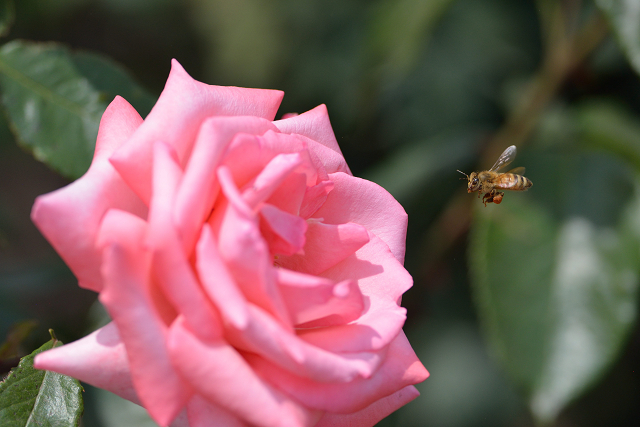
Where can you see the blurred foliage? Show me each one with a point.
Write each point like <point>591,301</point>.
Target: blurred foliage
<point>524,312</point>
<point>625,20</point>
<point>55,98</point>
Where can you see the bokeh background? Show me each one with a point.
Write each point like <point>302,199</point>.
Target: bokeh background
<point>523,312</point>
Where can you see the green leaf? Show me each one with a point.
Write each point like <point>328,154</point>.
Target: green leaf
<point>54,111</point>
<point>29,397</point>
<point>55,98</point>
<point>555,275</point>
<point>624,16</point>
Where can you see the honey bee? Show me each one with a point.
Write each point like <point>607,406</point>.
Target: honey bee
<point>488,182</point>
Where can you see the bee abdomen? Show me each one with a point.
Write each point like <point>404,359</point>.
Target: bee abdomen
<point>512,181</point>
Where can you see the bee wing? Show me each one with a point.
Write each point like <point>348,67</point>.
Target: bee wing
<point>517,171</point>
<point>505,158</point>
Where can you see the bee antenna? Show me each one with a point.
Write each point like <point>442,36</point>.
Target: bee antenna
<point>463,174</point>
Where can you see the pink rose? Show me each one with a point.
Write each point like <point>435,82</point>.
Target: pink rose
<point>251,279</point>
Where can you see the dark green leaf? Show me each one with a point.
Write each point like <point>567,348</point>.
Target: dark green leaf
<point>54,111</point>
<point>55,99</point>
<point>7,16</point>
<point>624,16</point>
<point>29,397</point>
<point>556,277</point>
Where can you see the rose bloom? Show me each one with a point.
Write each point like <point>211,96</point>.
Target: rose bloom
<point>251,278</point>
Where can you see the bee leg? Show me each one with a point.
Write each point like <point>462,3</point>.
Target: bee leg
<point>487,198</point>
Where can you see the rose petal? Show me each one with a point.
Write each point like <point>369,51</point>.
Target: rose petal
<point>366,203</point>
<point>400,368</point>
<point>122,227</point>
<point>315,197</point>
<point>324,158</point>
<point>318,302</point>
<point>281,143</point>
<point>378,272</point>
<point>266,337</point>
<point>198,188</point>
<point>70,217</point>
<point>245,252</point>
<point>326,245</point>
<point>245,158</point>
<point>99,359</point>
<point>221,375</point>
<point>289,195</point>
<point>373,413</point>
<point>382,280</point>
<point>218,283</point>
<point>126,229</point>
<point>176,119</point>
<point>270,178</point>
<point>284,232</point>
<point>117,124</point>
<point>126,274</point>
<point>315,125</point>
<point>170,265</point>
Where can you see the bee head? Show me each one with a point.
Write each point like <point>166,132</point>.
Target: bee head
<point>474,182</point>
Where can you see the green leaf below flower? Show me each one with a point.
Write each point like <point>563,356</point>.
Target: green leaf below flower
<point>30,397</point>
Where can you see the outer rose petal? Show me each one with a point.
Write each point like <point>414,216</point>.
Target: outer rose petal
<point>373,413</point>
<point>70,217</point>
<point>99,359</point>
<point>220,374</point>
<point>366,203</point>
<point>162,392</point>
<point>400,368</point>
<point>176,119</point>
<point>315,125</point>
